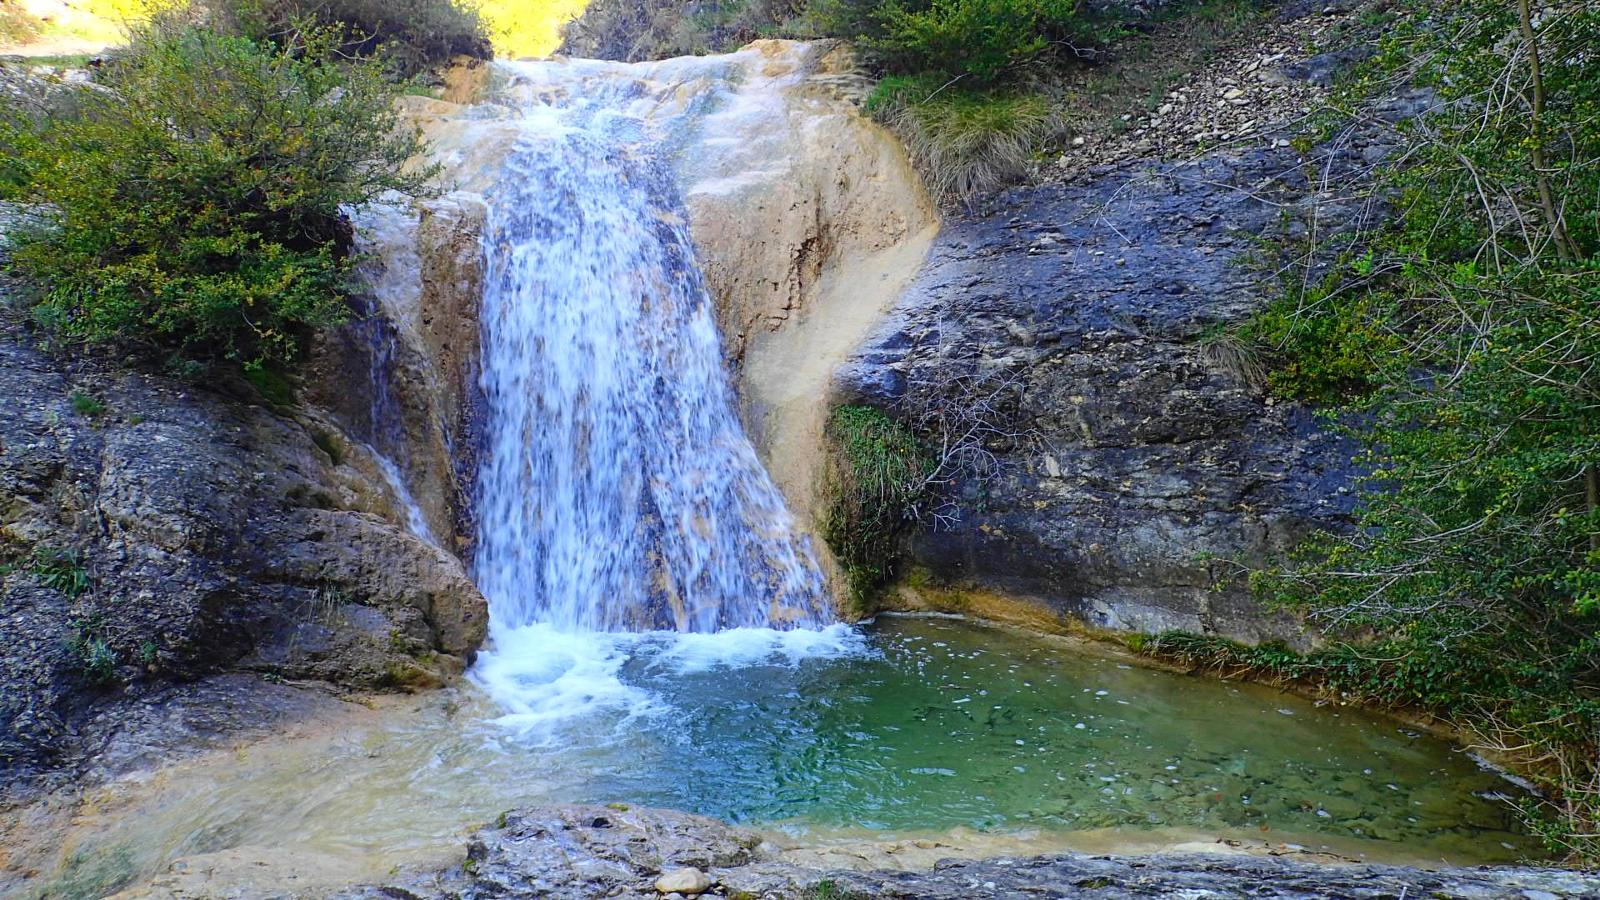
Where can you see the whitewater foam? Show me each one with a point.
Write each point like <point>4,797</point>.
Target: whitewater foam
<point>556,683</point>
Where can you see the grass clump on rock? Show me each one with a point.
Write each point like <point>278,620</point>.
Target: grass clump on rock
<point>964,142</point>
<point>877,475</point>
<point>958,84</point>
<point>189,204</point>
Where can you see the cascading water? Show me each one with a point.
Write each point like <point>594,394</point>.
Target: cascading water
<point>618,492</point>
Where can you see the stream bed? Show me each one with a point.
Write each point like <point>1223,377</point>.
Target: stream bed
<point>973,735</point>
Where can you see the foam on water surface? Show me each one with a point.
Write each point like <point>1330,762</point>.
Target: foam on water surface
<point>555,684</point>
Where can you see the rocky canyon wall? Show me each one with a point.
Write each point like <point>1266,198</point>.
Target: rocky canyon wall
<point>157,532</point>
<point>1143,469</point>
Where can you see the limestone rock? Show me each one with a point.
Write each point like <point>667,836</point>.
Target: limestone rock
<point>806,233</point>
<point>581,852</point>
<point>404,380</point>
<point>185,532</point>
<point>1140,451</point>
<point>689,881</point>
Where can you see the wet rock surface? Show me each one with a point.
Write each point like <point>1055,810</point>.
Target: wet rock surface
<point>405,380</point>
<point>156,532</point>
<point>596,851</point>
<point>1145,460</point>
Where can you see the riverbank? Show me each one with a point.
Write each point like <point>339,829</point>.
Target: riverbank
<point>582,852</point>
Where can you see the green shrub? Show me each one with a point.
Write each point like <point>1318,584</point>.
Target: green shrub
<point>85,404</point>
<point>1323,345</point>
<point>1474,566</point>
<point>963,141</point>
<point>981,39</point>
<point>192,203</point>
<point>877,473</point>
<point>410,35</point>
<point>60,569</point>
<point>977,40</point>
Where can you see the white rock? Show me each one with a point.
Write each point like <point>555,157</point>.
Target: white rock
<point>688,881</point>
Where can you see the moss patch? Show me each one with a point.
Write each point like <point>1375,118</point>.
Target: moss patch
<point>875,475</point>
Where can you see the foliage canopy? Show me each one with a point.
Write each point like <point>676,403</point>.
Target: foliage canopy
<point>1469,333</point>
<point>190,203</point>
<point>410,35</point>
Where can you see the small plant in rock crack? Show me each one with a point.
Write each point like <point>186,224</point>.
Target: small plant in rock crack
<point>890,472</point>
<point>324,605</point>
<point>85,404</point>
<point>60,569</point>
<point>96,658</point>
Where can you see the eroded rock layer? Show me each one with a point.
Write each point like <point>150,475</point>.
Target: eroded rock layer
<point>159,532</point>
<point>1141,466</point>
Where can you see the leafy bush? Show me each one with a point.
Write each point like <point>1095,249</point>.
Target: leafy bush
<point>963,141</point>
<point>410,35</point>
<point>191,204</point>
<point>979,40</point>
<point>877,473</point>
<point>1476,557</point>
<point>1322,344</point>
<point>60,570</point>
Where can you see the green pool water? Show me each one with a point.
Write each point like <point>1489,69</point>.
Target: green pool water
<point>904,727</point>
<point>953,723</point>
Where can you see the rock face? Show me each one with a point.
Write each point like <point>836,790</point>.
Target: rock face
<point>1141,461</point>
<point>573,852</point>
<point>806,233</point>
<point>404,381</point>
<point>156,532</point>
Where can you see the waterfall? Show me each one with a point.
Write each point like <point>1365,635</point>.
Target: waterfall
<point>617,490</point>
